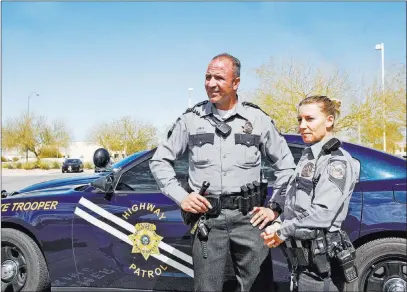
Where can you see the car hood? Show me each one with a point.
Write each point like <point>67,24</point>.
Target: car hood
<point>63,183</point>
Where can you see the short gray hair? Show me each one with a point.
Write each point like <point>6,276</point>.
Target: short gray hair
<point>235,62</point>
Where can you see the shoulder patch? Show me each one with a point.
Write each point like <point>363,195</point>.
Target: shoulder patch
<point>337,172</point>
<point>337,169</point>
<point>172,128</point>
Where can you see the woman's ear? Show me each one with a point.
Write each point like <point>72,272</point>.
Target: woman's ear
<point>329,121</point>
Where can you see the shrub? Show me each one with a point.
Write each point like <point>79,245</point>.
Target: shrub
<point>19,165</point>
<point>88,165</point>
<point>29,165</point>
<point>42,165</point>
<point>16,159</point>
<point>49,152</point>
<point>10,166</point>
<point>3,159</point>
<point>56,165</point>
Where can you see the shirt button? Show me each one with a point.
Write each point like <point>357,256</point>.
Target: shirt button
<point>224,156</point>
<point>224,174</point>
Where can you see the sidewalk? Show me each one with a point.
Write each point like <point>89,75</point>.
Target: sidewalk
<point>33,172</point>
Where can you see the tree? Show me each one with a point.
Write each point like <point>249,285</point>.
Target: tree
<point>383,110</point>
<point>33,133</point>
<point>125,135</point>
<point>282,87</point>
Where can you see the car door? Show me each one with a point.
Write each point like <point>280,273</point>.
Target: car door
<point>138,235</point>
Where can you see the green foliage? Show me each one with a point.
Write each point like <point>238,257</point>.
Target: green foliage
<point>34,134</point>
<point>56,165</point>
<point>125,135</point>
<point>15,159</point>
<point>3,159</point>
<point>88,165</point>
<point>43,165</point>
<point>49,152</point>
<point>19,165</point>
<point>9,165</point>
<point>29,165</point>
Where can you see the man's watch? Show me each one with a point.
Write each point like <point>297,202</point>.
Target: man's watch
<point>276,207</point>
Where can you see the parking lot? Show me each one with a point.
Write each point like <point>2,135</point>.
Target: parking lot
<point>16,179</point>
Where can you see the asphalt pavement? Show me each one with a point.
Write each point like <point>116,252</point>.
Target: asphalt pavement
<point>14,180</point>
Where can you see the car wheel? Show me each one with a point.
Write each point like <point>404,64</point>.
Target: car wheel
<point>23,266</point>
<point>382,266</point>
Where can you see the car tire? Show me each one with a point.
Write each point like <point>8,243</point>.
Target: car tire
<point>373,260</point>
<point>20,248</point>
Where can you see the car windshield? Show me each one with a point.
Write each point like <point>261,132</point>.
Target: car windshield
<point>126,160</point>
<point>72,161</point>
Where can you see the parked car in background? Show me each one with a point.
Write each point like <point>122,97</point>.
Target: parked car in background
<point>72,165</point>
<point>116,230</point>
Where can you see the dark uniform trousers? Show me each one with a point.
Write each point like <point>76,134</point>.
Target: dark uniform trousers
<point>232,231</point>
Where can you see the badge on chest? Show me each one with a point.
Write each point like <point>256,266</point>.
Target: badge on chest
<point>308,169</point>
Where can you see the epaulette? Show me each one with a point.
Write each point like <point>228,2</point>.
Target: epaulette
<point>259,108</point>
<point>254,105</point>
<point>193,110</point>
<point>189,110</point>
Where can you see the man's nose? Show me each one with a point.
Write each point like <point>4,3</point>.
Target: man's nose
<point>212,82</point>
<point>303,124</point>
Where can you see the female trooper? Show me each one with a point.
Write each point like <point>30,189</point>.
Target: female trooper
<point>316,202</point>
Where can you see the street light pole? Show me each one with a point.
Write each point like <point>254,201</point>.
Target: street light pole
<point>380,47</point>
<point>190,97</point>
<point>28,110</point>
<point>28,118</point>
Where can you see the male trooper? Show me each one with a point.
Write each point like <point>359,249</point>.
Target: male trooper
<point>225,138</point>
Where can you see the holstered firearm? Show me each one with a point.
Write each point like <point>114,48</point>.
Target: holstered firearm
<point>319,251</point>
<point>191,218</point>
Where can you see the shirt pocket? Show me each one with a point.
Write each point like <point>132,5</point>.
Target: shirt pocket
<point>247,146</point>
<point>201,146</point>
<point>303,194</point>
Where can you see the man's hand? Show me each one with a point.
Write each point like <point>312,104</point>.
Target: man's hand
<point>195,203</point>
<point>271,240</point>
<point>262,215</point>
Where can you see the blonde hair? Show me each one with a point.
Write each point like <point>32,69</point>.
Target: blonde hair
<point>329,106</point>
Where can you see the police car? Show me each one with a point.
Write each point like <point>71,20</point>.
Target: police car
<point>115,230</point>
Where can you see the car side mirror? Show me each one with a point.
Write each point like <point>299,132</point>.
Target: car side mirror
<point>105,184</point>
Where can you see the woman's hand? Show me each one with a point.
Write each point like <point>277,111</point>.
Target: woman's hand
<point>262,215</point>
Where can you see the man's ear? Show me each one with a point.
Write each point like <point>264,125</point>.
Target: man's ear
<point>329,121</point>
<point>236,83</point>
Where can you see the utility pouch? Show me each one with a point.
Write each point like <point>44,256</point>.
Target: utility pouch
<point>263,191</point>
<point>214,200</point>
<point>346,258</point>
<point>302,254</point>
<point>244,200</point>
<point>319,254</point>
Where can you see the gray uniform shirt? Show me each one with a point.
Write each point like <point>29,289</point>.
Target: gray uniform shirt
<point>227,163</point>
<point>327,207</point>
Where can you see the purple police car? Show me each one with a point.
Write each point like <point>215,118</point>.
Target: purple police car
<point>115,230</point>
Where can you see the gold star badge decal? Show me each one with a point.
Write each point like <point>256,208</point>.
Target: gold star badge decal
<point>145,240</point>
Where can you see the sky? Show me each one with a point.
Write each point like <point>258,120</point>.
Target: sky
<point>94,62</point>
